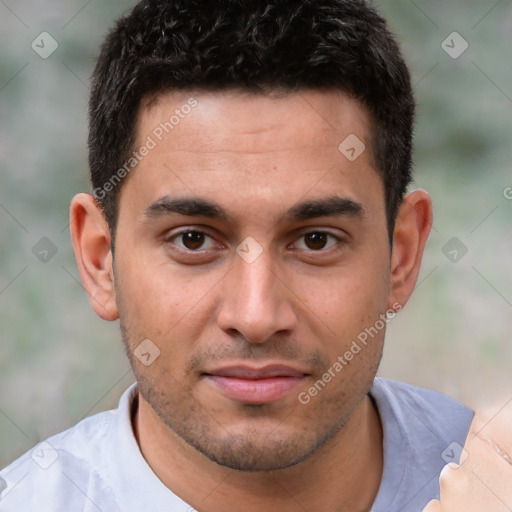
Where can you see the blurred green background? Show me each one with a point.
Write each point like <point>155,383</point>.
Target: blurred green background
<point>59,362</point>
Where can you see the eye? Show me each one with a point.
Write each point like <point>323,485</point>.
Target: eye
<point>192,240</point>
<point>318,241</point>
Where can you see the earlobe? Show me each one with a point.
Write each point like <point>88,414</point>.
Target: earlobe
<point>412,228</point>
<point>90,236</point>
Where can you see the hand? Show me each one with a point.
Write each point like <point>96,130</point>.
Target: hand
<point>483,481</point>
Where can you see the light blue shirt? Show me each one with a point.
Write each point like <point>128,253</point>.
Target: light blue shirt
<point>97,465</point>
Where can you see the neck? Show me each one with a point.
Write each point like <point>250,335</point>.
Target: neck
<point>344,474</point>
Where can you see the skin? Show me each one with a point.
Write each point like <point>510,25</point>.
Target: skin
<point>483,480</point>
<point>297,304</point>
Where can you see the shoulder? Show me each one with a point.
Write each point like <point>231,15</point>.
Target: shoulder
<point>422,414</point>
<point>67,469</point>
<point>411,405</point>
<point>432,408</point>
<point>423,430</point>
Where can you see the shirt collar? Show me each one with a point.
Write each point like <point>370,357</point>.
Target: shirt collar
<point>135,485</point>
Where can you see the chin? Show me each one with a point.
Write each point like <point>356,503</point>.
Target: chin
<point>264,449</point>
<point>244,455</point>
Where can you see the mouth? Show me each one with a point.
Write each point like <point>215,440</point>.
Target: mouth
<point>251,385</point>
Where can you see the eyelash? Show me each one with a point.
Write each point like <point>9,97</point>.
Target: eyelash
<point>171,238</point>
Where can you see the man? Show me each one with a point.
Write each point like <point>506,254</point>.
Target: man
<point>251,231</point>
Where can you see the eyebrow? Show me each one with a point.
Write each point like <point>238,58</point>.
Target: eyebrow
<point>197,207</point>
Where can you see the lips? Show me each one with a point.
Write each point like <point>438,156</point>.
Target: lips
<point>251,385</point>
<point>246,372</point>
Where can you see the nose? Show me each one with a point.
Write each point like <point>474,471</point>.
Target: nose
<point>256,302</point>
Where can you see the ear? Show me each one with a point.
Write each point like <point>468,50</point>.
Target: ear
<point>90,236</point>
<point>412,227</point>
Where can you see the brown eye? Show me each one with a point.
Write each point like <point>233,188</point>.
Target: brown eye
<point>192,240</point>
<point>316,241</point>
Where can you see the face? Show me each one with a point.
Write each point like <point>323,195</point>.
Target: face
<point>252,253</point>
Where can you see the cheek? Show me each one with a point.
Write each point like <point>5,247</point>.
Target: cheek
<point>152,300</point>
<point>162,303</point>
<point>350,304</point>
<point>349,299</point>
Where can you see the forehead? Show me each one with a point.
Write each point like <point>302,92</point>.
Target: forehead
<point>308,118</point>
<point>272,148</point>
